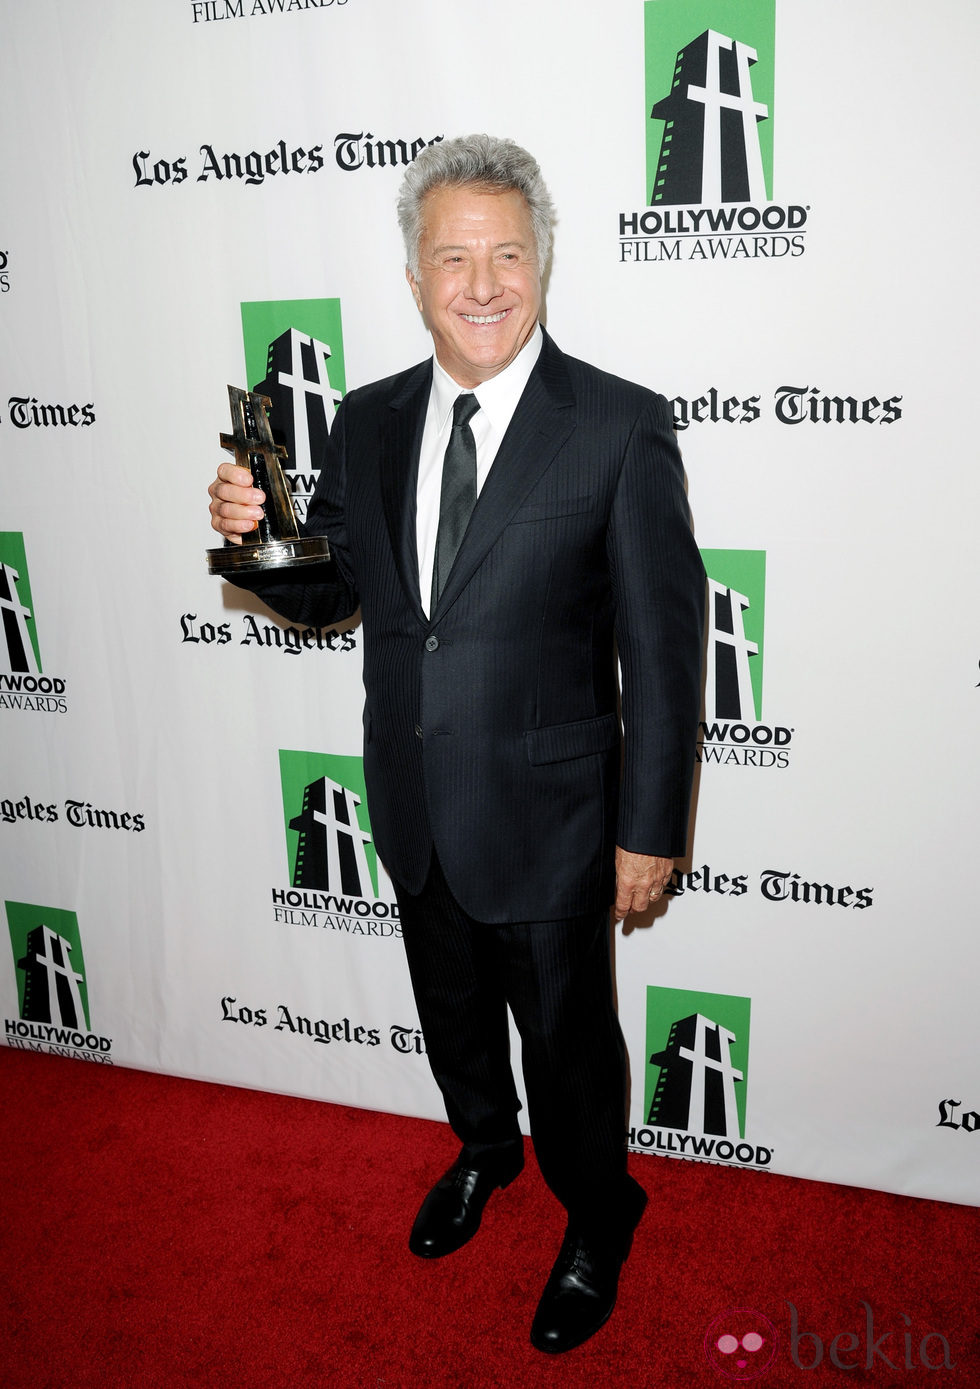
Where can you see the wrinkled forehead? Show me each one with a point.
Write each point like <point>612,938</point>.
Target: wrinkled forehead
<point>448,201</point>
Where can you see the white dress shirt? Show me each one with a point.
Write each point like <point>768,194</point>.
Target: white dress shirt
<point>497,399</point>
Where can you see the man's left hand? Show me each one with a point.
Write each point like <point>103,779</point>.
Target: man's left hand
<point>640,880</point>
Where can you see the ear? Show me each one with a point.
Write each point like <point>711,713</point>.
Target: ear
<point>413,286</point>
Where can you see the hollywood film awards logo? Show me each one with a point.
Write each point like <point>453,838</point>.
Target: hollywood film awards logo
<point>697,1048</point>
<point>294,354</point>
<point>732,732</point>
<point>710,77</point>
<point>51,985</point>
<point>337,882</point>
<point>214,11</point>
<point>23,684</point>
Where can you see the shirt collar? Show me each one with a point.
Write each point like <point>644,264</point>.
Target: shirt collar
<point>498,397</point>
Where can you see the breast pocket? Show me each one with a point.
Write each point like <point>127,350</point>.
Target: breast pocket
<point>556,507</point>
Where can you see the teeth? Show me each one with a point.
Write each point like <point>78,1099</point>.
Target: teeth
<point>486,318</point>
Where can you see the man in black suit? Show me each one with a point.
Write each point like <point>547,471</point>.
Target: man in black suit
<point>508,518</point>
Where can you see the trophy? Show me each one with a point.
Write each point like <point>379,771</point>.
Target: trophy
<point>276,542</point>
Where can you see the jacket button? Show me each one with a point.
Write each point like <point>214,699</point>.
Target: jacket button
<point>418,730</point>
<point>432,643</point>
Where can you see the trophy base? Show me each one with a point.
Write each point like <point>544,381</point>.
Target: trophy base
<point>271,555</point>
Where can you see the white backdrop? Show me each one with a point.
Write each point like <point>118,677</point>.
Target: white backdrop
<point>824,927</point>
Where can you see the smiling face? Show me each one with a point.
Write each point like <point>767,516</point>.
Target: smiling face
<point>478,285</point>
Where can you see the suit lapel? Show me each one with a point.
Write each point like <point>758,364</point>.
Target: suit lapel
<point>401,439</point>
<point>541,424</point>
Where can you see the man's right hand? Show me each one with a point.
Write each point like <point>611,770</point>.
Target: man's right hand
<point>236,506</point>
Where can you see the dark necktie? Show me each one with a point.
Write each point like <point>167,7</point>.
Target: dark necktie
<point>458,495</point>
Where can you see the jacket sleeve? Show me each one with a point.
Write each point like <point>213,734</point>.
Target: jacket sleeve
<point>320,594</point>
<point>659,584</point>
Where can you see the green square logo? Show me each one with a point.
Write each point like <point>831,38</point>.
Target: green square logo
<point>697,1047</point>
<point>709,100</point>
<point>47,951</point>
<point>264,322</point>
<point>736,625</point>
<point>294,354</point>
<point>328,831</point>
<point>19,650</point>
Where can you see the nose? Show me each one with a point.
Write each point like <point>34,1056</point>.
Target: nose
<point>484,283</point>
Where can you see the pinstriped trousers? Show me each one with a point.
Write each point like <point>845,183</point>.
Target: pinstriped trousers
<point>556,978</point>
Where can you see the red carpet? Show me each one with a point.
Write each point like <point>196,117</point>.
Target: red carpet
<point>164,1232</point>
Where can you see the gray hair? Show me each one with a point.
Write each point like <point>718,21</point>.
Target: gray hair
<point>481,161</point>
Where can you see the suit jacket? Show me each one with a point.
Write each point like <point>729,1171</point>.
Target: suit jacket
<point>492,728</point>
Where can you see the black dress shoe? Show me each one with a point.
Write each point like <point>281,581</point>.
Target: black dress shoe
<point>450,1215</point>
<point>580,1293</point>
